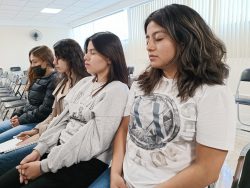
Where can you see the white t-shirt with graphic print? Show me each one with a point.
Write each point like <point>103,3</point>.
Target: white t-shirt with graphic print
<point>163,130</point>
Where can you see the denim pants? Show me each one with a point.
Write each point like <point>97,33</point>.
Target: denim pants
<point>13,158</point>
<point>7,131</point>
<point>103,181</point>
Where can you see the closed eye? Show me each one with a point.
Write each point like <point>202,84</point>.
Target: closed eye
<point>159,38</point>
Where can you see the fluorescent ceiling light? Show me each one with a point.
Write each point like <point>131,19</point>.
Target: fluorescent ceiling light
<point>50,10</point>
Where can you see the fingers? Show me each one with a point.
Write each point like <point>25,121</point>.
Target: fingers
<point>23,173</point>
<point>24,166</point>
<point>25,160</point>
<point>19,168</point>
<point>22,133</point>
<point>34,156</point>
<point>26,181</point>
<point>24,137</point>
<point>21,179</point>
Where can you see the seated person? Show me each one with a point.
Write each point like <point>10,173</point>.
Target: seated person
<point>69,64</point>
<point>41,83</point>
<point>76,147</point>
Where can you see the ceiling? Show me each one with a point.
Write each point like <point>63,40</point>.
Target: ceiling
<point>27,12</point>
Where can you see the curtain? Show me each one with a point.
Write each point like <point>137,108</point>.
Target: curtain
<point>229,20</point>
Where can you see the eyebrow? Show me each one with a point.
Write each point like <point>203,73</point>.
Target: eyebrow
<point>91,49</point>
<point>157,32</point>
<point>34,59</point>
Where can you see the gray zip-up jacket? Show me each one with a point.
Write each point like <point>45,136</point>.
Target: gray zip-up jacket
<point>86,127</point>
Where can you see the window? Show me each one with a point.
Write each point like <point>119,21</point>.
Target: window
<point>116,23</point>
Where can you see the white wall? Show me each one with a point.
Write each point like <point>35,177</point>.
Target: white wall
<point>237,65</point>
<point>15,43</point>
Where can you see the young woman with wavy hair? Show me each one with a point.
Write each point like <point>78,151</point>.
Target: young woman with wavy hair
<point>180,117</point>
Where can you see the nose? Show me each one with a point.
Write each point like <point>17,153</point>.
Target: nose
<point>32,65</point>
<point>86,57</point>
<point>150,45</point>
<point>55,61</point>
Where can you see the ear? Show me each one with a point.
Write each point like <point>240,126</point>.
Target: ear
<point>45,65</point>
<point>109,62</point>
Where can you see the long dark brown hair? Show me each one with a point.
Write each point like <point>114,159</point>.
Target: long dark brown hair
<point>199,55</point>
<point>109,45</point>
<point>71,52</point>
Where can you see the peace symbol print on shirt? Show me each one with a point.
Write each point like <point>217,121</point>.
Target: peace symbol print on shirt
<point>154,121</point>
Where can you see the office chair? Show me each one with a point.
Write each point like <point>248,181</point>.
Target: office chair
<point>245,77</point>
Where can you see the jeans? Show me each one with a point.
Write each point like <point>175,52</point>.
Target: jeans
<point>7,131</point>
<point>103,181</point>
<point>13,158</point>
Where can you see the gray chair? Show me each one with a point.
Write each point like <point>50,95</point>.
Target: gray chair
<point>10,86</point>
<point>130,75</point>
<point>3,78</point>
<point>13,102</point>
<point>240,100</point>
<point>18,91</point>
<point>15,69</point>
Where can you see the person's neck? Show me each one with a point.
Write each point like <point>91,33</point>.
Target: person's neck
<point>101,78</point>
<point>168,75</point>
<point>49,70</point>
<point>170,72</point>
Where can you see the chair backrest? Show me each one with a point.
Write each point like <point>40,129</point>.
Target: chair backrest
<point>25,72</point>
<point>14,69</point>
<point>245,75</point>
<point>131,70</point>
<point>130,75</point>
<point>22,87</point>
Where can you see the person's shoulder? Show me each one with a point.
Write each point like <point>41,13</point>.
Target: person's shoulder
<point>135,85</point>
<point>215,88</point>
<point>214,91</point>
<point>117,85</point>
<point>49,79</point>
<point>86,80</point>
<point>53,75</point>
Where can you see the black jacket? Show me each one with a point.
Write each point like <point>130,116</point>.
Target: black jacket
<point>40,101</point>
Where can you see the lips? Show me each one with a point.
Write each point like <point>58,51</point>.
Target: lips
<point>152,57</point>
